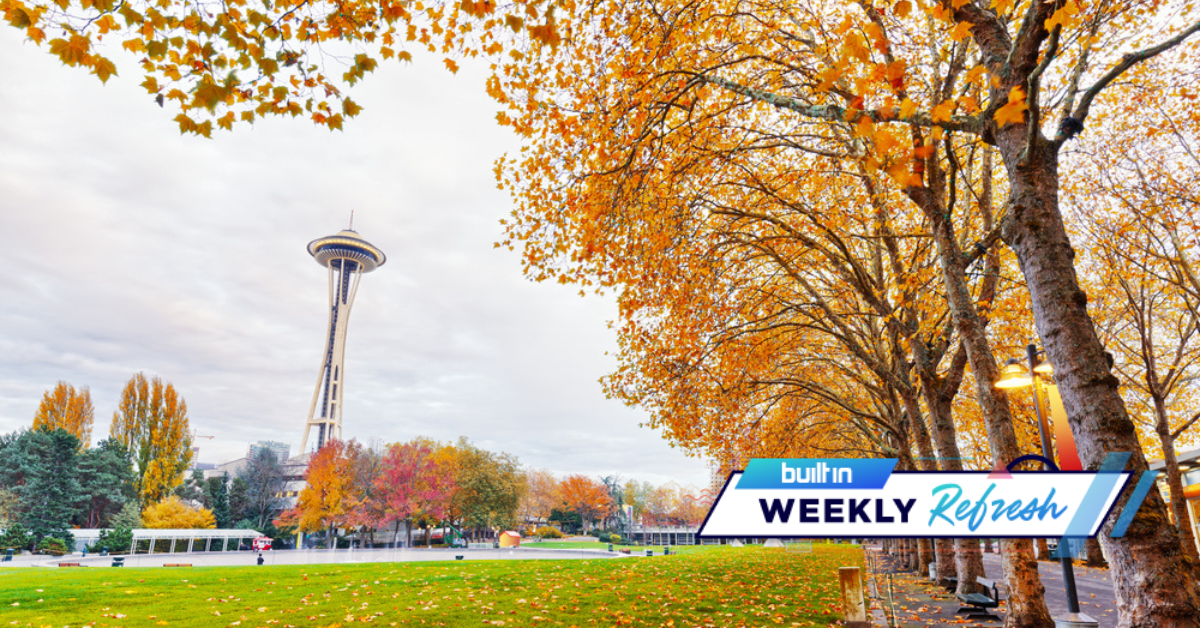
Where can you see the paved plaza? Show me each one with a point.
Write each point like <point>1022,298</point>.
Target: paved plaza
<point>908,600</point>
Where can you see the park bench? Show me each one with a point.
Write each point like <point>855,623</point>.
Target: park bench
<point>177,564</point>
<point>69,565</point>
<point>624,551</point>
<point>977,604</point>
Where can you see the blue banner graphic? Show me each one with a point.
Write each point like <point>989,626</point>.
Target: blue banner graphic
<point>813,473</point>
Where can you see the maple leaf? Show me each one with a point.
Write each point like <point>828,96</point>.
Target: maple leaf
<point>944,111</point>
<point>1014,110</point>
<point>1003,7</point>
<point>961,30</point>
<point>104,69</point>
<point>1066,16</point>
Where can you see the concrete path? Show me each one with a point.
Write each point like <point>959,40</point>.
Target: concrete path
<point>916,602</point>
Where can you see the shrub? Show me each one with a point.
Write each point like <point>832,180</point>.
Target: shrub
<point>605,537</point>
<point>117,540</point>
<point>595,532</point>
<point>172,513</point>
<point>614,538</point>
<point>546,532</point>
<point>15,538</point>
<point>52,546</point>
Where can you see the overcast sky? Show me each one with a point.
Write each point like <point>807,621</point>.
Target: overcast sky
<point>128,247</point>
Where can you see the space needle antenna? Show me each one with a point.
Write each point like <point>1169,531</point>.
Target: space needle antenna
<point>351,220</point>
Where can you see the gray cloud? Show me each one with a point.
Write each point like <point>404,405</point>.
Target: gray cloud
<point>128,247</point>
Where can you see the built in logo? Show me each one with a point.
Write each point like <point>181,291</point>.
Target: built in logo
<point>819,473</point>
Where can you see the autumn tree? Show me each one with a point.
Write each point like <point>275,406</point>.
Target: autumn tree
<point>172,513</point>
<point>629,106</point>
<point>258,59</point>
<point>69,409</point>
<point>325,500</point>
<point>365,511</point>
<point>412,484</point>
<point>487,487</point>
<point>541,496</point>
<point>585,496</point>
<point>1137,227</point>
<point>152,423</point>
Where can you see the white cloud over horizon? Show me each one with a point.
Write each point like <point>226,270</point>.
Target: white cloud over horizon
<point>129,247</point>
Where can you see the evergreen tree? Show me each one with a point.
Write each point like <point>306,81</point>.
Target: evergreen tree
<point>239,499</point>
<point>50,492</point>
<point>265,481</point>
<point>106,481</point>
<point>192,489</point>
<point>217,496</point>
<point>130,516</point>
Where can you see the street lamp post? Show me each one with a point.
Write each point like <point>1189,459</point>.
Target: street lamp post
<point>1014,378</point>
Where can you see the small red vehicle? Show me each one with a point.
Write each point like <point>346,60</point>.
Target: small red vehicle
<point>261,543</point>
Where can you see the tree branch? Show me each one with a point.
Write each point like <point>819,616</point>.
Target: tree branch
<point>1127,61</point>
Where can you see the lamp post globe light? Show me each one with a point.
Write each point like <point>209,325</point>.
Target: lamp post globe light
<point>348,257</point>
<point>1015,375</point>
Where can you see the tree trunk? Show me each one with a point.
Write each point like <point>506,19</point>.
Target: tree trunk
<point>987,545</point>
<point>1043,550</point>
<point>1156,584</point>
<point>1178,503</point>
<point>1095,557</point>
<point>1027,604</point>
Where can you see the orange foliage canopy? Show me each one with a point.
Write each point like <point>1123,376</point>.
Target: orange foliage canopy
<point>69,409</point>
<point>326,499</point>
<point>244,59</point>
<point>586,496</point>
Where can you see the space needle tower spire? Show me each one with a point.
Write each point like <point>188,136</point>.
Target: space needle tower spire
<point>347,256</point>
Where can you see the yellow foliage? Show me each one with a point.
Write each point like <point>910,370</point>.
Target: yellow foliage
<point>172,513</point>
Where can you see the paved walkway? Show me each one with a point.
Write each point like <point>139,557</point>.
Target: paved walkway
<point>917,602</point>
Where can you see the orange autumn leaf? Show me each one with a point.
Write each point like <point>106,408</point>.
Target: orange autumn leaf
<point>1014,110</point>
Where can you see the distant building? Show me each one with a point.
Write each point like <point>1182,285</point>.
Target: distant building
<point>281,450</point>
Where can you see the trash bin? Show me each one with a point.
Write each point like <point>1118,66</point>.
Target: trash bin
<point>8,554</point>
<point>610,547</point>
<point>118,561</point>
<point>649,552</point>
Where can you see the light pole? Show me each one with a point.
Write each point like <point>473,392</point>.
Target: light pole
<point>1014,376</point>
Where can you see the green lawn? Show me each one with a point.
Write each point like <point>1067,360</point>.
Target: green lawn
<point>711,586</point>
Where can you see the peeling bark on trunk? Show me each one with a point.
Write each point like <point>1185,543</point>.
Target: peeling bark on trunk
<point>1155,582</point>
<point>1043,550</point>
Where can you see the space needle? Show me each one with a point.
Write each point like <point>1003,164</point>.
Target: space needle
<point>347,256</point>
